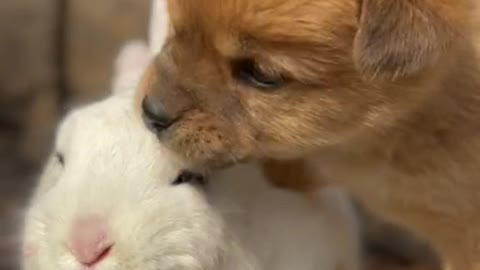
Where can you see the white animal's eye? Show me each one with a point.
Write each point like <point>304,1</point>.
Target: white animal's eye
<point>187,177</point>
<point>51,174</point>
<point>60,158</point>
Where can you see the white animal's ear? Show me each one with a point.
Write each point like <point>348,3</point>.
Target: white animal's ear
<point>158,25</point>
<point>130,65</point>
<point>134,56</point>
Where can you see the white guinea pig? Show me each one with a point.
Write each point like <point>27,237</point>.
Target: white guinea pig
<point>113,198</point>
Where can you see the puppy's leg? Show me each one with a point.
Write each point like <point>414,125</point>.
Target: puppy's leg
<point>387,246</point>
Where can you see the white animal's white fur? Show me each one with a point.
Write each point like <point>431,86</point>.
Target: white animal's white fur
<point>135,55</point>
<point>116,169</point>
<point>158,25</point>
<point>130,64</point>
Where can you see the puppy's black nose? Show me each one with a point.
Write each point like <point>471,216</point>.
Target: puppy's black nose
<point>154,115</point>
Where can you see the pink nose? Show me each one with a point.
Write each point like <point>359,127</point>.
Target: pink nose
<point>90,242</point>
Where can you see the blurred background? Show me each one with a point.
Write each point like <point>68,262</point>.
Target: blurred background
<point>54,54</point>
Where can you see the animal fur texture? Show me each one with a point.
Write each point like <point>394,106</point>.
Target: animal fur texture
<point>379,96</point>
<point>107,165</point>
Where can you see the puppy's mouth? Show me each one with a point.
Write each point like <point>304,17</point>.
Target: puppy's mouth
<point>191,177</point>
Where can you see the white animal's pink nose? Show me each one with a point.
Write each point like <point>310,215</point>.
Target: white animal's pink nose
<point>90,242</point>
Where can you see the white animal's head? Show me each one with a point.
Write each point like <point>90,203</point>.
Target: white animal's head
<point>111,188</point>
<point>111,197</point>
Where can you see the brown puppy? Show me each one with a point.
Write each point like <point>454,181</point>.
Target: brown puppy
<point>382,95</point>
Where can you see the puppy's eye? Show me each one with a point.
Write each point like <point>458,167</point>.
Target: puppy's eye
<point>188,177</point>
<point>247,71</point>
<point>60,158</point>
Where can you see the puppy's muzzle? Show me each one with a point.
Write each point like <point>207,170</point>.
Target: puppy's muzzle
<point>155,116</point>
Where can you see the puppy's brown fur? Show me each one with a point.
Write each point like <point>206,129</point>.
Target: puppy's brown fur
<point>383,96</point>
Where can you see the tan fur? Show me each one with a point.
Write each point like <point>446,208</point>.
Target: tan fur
<point>293,175</point>
<point>382,96</point>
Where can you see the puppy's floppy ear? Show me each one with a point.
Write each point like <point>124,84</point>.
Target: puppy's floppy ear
<point>398,38</point>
